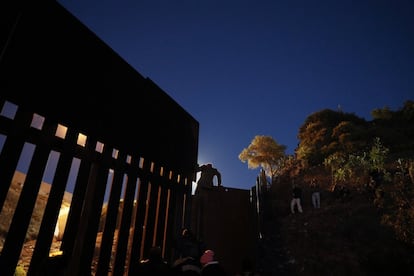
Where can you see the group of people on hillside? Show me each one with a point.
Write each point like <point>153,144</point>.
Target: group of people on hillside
<point>296,204</point>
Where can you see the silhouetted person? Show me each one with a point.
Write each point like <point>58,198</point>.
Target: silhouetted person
<point>208,172</point>
<point>188,245</point>
<point>316,195</point>
<point>296,197</point>
<point>343,193</point>
<point>154,265</point>
<point>186,266</point>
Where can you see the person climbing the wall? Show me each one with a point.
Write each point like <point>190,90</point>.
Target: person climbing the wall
<point>208,172</point>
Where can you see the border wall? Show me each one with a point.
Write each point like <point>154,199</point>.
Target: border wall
<point>86,115</point>
<point>225,220</point>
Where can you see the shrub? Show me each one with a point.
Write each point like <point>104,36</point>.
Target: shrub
<point>20,271</point>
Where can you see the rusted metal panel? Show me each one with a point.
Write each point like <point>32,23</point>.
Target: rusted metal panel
<point>52,66</point>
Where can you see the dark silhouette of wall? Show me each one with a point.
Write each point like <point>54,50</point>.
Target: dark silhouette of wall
<point>53,67</point>
<point>225,220</point>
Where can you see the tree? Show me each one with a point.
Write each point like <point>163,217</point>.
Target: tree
<point>326,132</point>
<point>266,153</point>
<point>335,162</point>
<point>378,155</point>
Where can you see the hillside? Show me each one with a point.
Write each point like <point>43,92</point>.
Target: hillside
<point>28,247</point>
<point>344,237</point>
<point>11,202</point>
<point>8,212</point>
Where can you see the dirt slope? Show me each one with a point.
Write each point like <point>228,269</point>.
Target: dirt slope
<point>344,237</point>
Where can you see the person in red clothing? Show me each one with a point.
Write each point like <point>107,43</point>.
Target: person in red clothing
<point>210,266</point>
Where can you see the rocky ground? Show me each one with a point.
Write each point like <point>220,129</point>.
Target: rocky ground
<point>28,248</point>
<point>27,252</point>
<point>343,237</point>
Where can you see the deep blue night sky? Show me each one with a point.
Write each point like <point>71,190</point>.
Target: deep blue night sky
<point>246,68</point>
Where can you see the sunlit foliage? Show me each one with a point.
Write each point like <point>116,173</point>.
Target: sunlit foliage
<point>335,162</point>
<point>266,153</point>
<point>373,157</point>
<point>396,129</point>
<point>378,155</point>
<point>327,132</point>
<point>396,201</point>
<point>382,113</point>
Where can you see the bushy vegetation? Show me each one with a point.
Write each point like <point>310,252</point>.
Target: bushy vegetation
<point>376,157</point>
<point>371,230</point>
<point>19,271</point>
<point>327,132</point>
<point>347,152</point>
